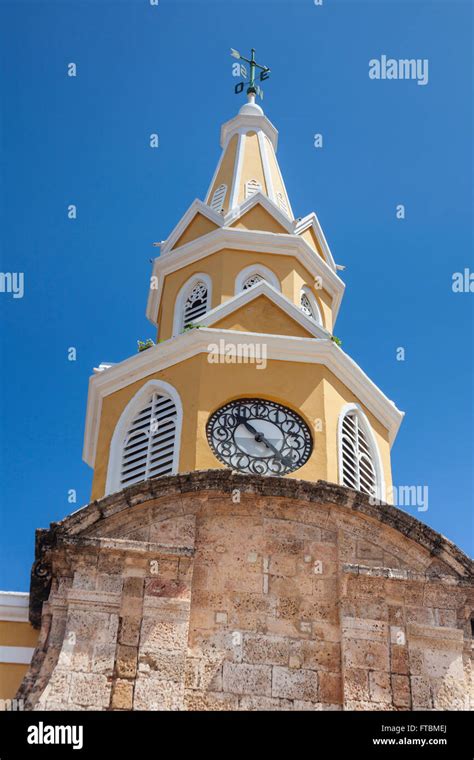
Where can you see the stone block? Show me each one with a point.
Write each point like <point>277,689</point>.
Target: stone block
<point>373,655</point>
<point>204,700</point>
<point>301,684</point>
<point>356,685</point>
<point>269,650</point>
<point>379,686</point>
<point>126,661</point>
<point>247,679</point>
<point>129,630</point>
<point>399,660</point>
<point>401,691</point>
<point>122,695</point>
<point>330,687</point>
<point>90,689</point>
<point>153,693</point>
<point>420,693</point>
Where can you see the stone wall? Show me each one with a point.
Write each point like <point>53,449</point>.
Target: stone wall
<point>216,591</point>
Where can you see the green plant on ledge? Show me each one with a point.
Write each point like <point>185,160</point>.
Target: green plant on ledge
<point>336,340</point>
<point>144,344</point>
<point>191,326</point>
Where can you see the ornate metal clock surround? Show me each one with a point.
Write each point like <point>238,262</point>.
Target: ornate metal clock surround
<point>259,436</point>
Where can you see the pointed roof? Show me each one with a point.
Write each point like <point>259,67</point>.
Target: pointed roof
<point>248,163</point>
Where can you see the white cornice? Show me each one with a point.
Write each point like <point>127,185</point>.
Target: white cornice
<point>265,289</point>
<point>243,123</point>
<point>244,240</point>
<point>311,220</point>
<point>14,606</point>
<point>196,207</point>
<point>233,215</point>
<point>279,348</point>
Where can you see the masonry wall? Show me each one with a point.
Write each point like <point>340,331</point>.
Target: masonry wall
<point>214,591</point>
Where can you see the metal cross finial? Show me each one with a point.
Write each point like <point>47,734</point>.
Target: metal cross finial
<point>252,89</point>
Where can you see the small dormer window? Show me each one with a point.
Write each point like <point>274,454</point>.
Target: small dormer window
<point>218,198</point>
<point>252,187</point>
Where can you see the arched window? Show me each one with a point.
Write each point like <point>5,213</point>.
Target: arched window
<point>254,274</point>
<point>359,460</point>
<point>218,198</point>
<point>252,187</point>
<point>195,305</point>
<point>309,305</point>
<point>192,301</point>
<point>146,440</point>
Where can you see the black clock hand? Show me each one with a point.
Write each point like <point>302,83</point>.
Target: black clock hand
<point>260,438</point>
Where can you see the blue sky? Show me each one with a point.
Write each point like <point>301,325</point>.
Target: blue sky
<point>143,69</point>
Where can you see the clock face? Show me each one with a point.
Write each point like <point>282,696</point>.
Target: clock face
<point>259,437</point>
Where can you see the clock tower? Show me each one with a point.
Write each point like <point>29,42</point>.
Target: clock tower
<point>246,373</point>
<point>237,553</point>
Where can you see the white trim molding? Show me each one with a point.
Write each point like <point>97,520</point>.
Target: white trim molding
<point>14,606</point>
<point>16,655</point>
<point>244,240</point>
<point>196,207</point>
<point>252,270</point>
<point>263,288</point>
<point>369,433</point>
<point>311,220</point>
<point>243,123</point>
<point>124,422</point>
<point>237,172</point>
<point>279,348</point>
<point>185,290</point>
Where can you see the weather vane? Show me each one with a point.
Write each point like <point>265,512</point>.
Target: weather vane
<point>252,89</point>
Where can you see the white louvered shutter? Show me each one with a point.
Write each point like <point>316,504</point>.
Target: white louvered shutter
<point>252,187</point>
<point>149,446</point>
<point>358,470</point>
<point>252,280</point>
<point>196,304</point>
<point>217,201</point>
<point>282,203</point>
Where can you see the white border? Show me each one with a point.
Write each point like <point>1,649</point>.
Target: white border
<point>115,451</point>
<point>377,460</point>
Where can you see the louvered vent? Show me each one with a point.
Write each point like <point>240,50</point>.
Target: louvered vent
<point>252,187</point>
<point>357,463</point>
<point>196,304</point>
<point>218,198</point>
<point>252,280</point>
<point>149,446</point>
<point>282,203</point>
